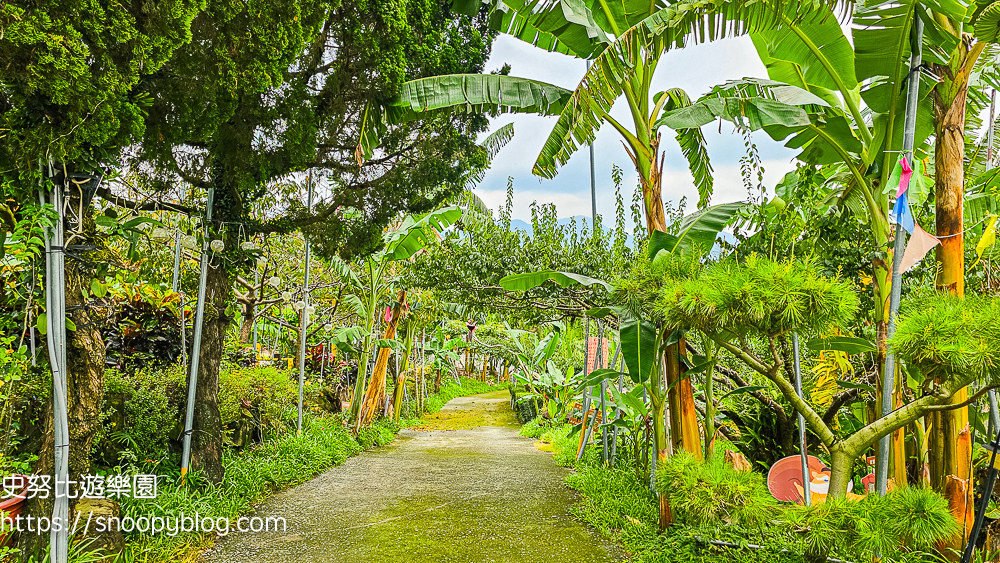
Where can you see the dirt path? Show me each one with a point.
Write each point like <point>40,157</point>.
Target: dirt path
<point>480,493</point>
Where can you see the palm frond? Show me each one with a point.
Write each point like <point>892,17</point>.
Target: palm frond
<point>693,147</point>
<point>674,26</point>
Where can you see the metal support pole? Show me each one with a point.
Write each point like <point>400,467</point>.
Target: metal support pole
<point>174,285</point>
<point>322,365</point>
<point>599,363</point>
<point>807,496</point>
<point>984,501</point>
<point>55,295</point>
<point>257,288</point>
<point>889,368</point>
<point>593,182</point>
<point>305,315</point>
<point>199,320</point>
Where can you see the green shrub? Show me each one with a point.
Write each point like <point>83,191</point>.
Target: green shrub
<point>712,494</point>
<point>904,520</point>
<point>141,410</point>
<point>535,428</point>
<point>565,444</point>
<point>271,392</point>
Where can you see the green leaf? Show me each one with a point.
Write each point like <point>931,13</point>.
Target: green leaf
<point>808,53</point>
<point>70,325</point>
<point>413,236</point>
<point>344,271</point>
<point>638,343</point>
<point>842,344</point>
<point>530,280</point>
<point>131,224</point>
<point>474,93</point>
<point>596,377</point>
<point>566,26</point>
<point>42,324</point>
<point>693,146</point>
<point>598,312</point>
<point>105,221</point>
<point>674,26</point>
<point>98,289</point>
<point>699,229</point>
<point>988,24</point>
<point>390,343</point>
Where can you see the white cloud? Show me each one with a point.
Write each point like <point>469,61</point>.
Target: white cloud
<point>695,69</point>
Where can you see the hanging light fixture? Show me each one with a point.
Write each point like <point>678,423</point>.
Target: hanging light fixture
<point>274,281</point>
<point>286,296</point>
<point>261,262</point>
<point>189,241</point>
<point>328,327</point>
<point>299,305</point>
<point>310,310</point>
<point>248,245</point>
<point>217,245</point>
<point>160,234</point>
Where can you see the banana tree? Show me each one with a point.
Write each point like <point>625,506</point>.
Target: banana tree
<point>860,131</point>
<point>626,42</point>
<point>652,355</point>
<point>814,101</point>
<point>401,242</point>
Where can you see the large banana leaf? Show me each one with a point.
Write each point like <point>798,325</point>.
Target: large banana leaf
<point>562,26</point>
<point>755,103</point>
<point>808,53</point>
<point>568,22</point>
<point>413,236</point>
<point>344,270</point>
<point>482,93</point>
<point>697,230</point>
<point>693,146</point>
<point>638,342</point>
<point>674,26</point>
<point>530,280</point>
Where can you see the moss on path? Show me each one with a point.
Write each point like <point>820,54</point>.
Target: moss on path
<point>466,413</point>
<point>460,490</point>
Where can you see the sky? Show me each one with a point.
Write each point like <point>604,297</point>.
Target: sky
<point>696,69</point>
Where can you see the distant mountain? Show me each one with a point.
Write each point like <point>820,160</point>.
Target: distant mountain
<point>519,225</point>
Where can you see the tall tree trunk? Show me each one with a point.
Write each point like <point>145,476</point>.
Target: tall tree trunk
<point>683,414</point>
<point>206,439</point>
<point>949,96</point>
<point>397,396</point>
<point>375,392</point>
<point>680,395</point>
<point>249,316</point>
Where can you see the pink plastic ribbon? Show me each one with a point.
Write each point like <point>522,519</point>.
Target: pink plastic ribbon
<point>904,178</point>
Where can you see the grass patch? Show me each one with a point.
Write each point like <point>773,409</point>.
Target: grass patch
<point>251,476</point>
<point>624,510</point>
